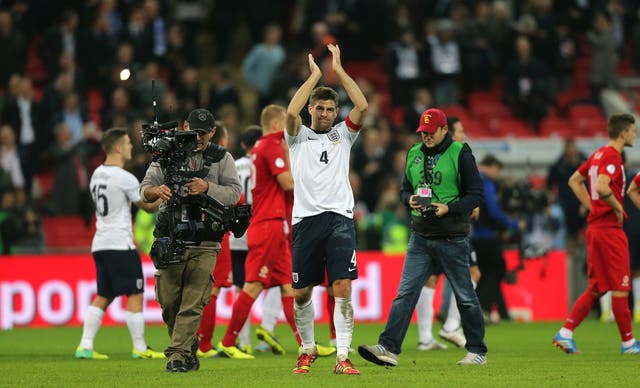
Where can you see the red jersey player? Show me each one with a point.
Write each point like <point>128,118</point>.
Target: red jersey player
<point>607,248</point>
<point>269,259</point>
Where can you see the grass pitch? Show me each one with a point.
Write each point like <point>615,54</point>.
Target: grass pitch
<point>519,355</point>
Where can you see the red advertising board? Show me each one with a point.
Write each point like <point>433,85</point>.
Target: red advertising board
<point>56,290</point>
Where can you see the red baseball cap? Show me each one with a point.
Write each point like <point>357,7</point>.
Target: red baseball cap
<point>431,120</point>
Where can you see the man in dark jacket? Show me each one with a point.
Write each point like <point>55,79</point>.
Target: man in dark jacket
<point>441,186</point>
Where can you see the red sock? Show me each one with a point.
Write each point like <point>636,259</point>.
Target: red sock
<point>620,308</point>
<point>207,324</point>
<point>287,307</point>
<point>331,306</point>
<point>241,310</point>
<point>580,309</point>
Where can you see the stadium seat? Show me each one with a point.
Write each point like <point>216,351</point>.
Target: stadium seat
<point>512,128</point>
<point>476,129</point>
<point>45,183</point>
<point>67,233</point>
<point>554,126</point>
<point>456,110</point>
<point>585,119</point>
<point>490,110</point>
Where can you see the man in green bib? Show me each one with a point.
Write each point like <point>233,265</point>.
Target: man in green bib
<point>442,186</point>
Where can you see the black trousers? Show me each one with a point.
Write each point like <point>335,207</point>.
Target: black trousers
<point>493,268</point>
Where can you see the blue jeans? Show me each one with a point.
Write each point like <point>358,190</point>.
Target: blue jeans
<point>424,257</point>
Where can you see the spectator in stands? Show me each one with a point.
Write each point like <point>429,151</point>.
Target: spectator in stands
<point>446,63</point>
<point>422,101</point>
<point>70,193</point>
<point>144,93</point>
<point>574,215</point>
<point>222,90</point>
<point>119,109</point>
<point>179,54</point>
<point>13,48</point>
<point>157,26</point>
<point>73,115</point>
<point>22,113</point>
<point>123,72</point>
<point>526,84</point>
<point>230,117</point>
<point>61,38</point>
<point>566,52</point>
<point>487,238</point>
<point>479,57</point>
<point>188,89</point>
<point>140,34</point>
<point>604,56</point>
<point>499,32</point>
<point>53,101</point>
<point>262,63</point>
<point>369,160</point>
<point>10,161</point>
<point>406,65</point>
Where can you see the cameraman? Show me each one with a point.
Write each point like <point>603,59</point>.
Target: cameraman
<point>487,239</point>
<point>184,288</point>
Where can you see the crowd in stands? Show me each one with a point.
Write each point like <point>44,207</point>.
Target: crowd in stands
<point>514,68</point>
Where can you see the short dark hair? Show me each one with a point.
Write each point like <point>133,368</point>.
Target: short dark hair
<point>221,131</point>
<point>451,120</point>
<point>251,135</point>
<point>491,161</point>
<point>111,137</point>
<point>323,93</point>
<point>619,123</point>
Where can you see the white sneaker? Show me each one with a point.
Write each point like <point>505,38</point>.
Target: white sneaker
<point>456,337</point>
<point>378,355</point>
<point>431,345</point>
<point>473,359</point>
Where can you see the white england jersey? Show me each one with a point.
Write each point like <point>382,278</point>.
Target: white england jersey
<point>243,165</point>
<point>113,189</point>
<point>320,169</point>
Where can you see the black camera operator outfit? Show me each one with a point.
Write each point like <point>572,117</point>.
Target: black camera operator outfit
<point>183,288</point>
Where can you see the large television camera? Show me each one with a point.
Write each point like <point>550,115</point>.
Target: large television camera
<point>171,148</point>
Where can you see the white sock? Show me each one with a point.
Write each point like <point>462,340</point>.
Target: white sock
<point>92,321</point>
<point>605,305</point>
<point>566,333</point>
<point>135,323</point>
<point>272,305</point>
<point>635,287</point>
<point>343,319</point>
<point>453,315</point>
<point>626,344</point>
<point>424,309</point>
<point>304,316</point>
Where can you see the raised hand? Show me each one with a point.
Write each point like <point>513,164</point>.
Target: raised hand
<point>313,66</point>
<point>335,52</point>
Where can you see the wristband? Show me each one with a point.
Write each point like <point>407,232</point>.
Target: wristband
<point>606,195</point>
<point>352,125</point>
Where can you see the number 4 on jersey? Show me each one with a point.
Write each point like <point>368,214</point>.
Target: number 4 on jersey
<point>324,158</point>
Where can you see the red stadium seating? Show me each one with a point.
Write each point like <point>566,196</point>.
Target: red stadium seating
<point>554,126</point>
<point>586,119</point>
<point>67,233</point>
<point>456,110</point>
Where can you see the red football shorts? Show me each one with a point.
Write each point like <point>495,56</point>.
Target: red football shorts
<point>222,274</point>
<point>269,257</point>
<point>608,265</point>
